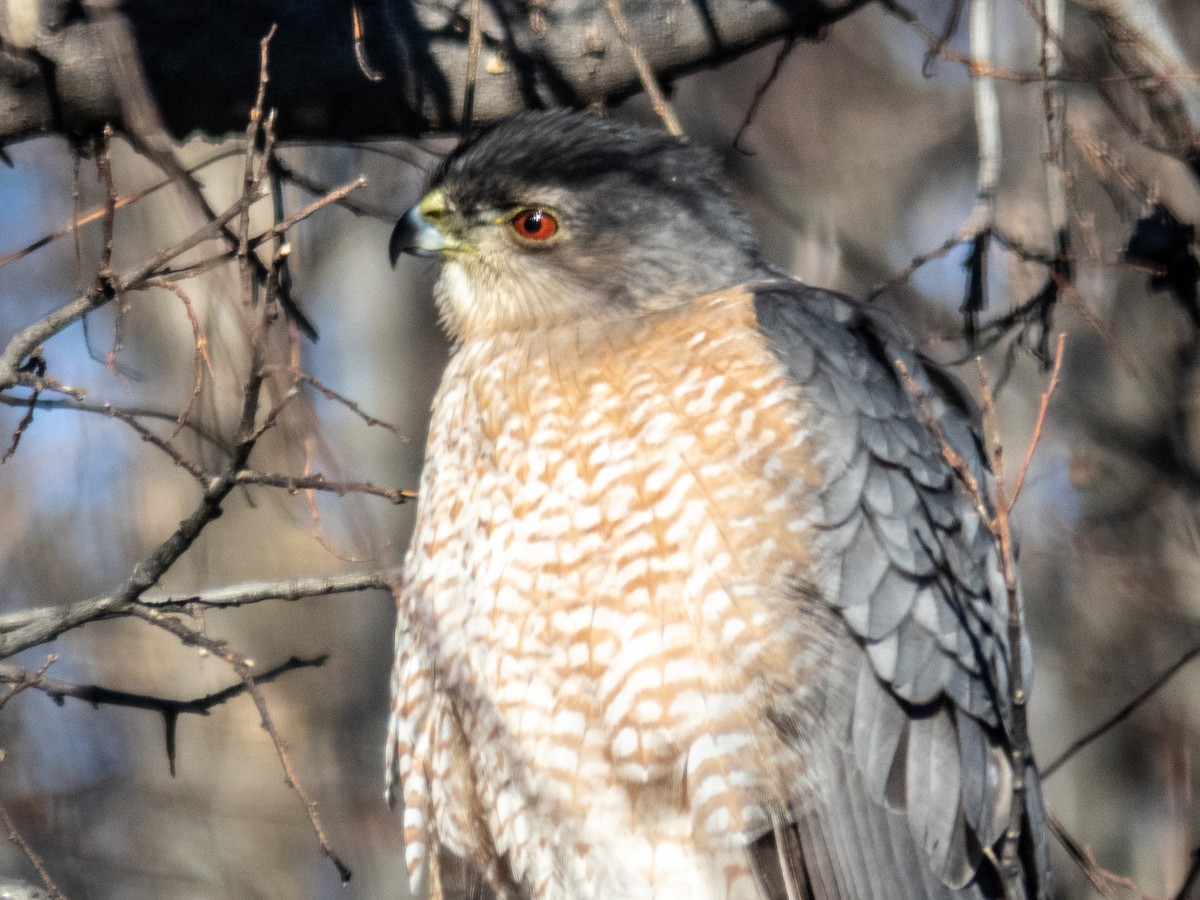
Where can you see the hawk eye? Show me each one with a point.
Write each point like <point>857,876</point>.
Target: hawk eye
<point>534,224</point>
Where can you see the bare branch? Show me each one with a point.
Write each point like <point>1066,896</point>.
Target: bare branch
<point>15,836</point>
<point>1121,714</point>
<point>318,482</point>
<point>244,667</point>
<point>421,55</point>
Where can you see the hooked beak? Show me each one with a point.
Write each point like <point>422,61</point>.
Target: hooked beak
<point>419,232</point>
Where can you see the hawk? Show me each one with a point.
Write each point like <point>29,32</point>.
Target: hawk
<point>693,607</point>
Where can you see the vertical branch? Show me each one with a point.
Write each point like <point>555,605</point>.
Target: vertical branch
<point>987,112</point>
<point>1051,62</point>
<point>1018,754</point>
<point>982,221</point>
<point>104,170</point>
<point>474,45</point>
<point>1018,692</point>
<point>252,175</point>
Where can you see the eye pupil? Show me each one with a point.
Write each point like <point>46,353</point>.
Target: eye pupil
<point>535,224</point>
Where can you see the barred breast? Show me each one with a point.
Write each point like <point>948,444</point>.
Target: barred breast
<point>608,608</point>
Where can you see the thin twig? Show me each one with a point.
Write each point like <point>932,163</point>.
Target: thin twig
<point>1121,714</point>
<point>1019,750</point>
<point>318,482</point>
<point>24,341</point>
<point>15,836</point>
<point>106,410</point>
<point>200,358</point>
<point>649,83</point>
<point>958,465</point>
<point>177,457</point>
<point>95,695</point>
<point>169,709</point>
<point>79,220</point>
<point>760,92</point>
<point>244,668</point>
<point>250,180</point>
<point>334,196</point>
<point>1103,880</point>
<point>1041,419</point>
<point>330,394</point>
<point>30,679</point>
<point>32,627</point>
<point>359,208</point>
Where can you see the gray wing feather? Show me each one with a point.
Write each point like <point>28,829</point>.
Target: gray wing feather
<point>919,779</point>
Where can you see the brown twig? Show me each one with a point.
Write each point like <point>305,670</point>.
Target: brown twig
<point>999,528</point>
<point>334,196</point>
<point>211,262</point>
<point>649,83</point>
<point>24,341</point>
<point>359,208</point>
<point>250,175</point>
<point>32,627</point>
<point>80,220</point>
<point>104,169</point>
<point>244,668</point>
<point>958,465</point>
<point>330,394</point>
<point>1101,878</point>
<point>1041,419</point>
<point>249,593</point>
<point>15,836</point>
<point>177,457</point>
<point>200,357</point>
<point>1019,751</point>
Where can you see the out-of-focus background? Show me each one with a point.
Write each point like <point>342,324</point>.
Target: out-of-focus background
<point>860,157</point>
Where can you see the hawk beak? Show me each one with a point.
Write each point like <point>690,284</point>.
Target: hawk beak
<point>419,232</point>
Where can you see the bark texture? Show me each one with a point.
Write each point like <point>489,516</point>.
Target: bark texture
<point>67,66</point>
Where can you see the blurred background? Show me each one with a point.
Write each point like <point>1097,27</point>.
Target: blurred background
<point>859,158</point>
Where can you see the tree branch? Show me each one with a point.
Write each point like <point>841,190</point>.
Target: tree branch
<point>318,84</point>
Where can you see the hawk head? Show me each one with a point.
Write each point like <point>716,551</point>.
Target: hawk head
<point>551,217</point>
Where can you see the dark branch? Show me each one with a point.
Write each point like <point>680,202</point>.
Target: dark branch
<point>318,85</point>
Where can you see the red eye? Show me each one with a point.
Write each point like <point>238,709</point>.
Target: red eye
<point>535,224</point>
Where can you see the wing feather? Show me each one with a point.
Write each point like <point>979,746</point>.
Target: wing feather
<point>917,780</point>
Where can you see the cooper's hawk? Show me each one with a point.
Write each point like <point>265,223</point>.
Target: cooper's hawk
<point>694,607</point>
